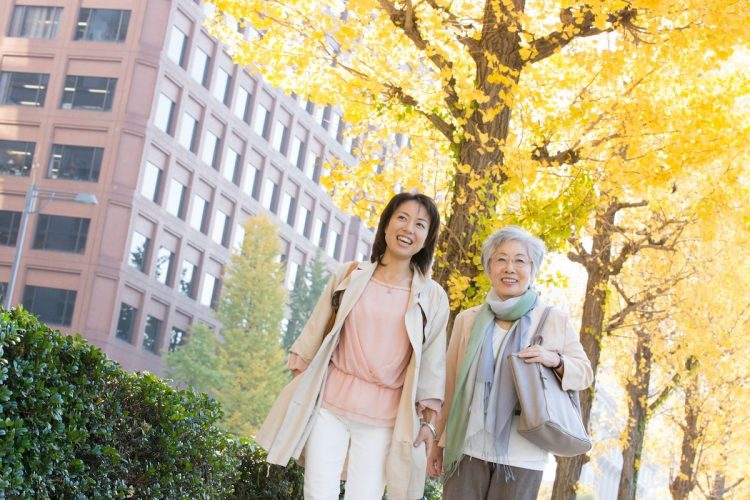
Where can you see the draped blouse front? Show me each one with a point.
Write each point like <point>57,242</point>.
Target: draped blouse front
<point>368,368</point>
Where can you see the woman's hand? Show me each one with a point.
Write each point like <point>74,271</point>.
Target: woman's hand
<point>538,354</point>
<point>435,462</point>
<point>425,436</point>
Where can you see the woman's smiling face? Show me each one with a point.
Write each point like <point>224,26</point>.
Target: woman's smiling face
<point>407,230</point>
<point>510,269</point>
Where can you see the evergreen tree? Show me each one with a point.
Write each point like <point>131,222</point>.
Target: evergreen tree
<point>247,362</point>
<point>303,298</point>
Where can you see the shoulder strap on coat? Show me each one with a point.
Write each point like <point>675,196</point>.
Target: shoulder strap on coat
<point>336,300</point>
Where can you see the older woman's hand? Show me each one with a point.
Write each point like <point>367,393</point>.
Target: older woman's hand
<point>538,354</point>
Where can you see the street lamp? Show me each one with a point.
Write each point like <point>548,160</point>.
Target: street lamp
<point>29,208</point>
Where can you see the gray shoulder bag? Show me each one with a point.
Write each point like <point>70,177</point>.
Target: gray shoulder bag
<point>550,417</point>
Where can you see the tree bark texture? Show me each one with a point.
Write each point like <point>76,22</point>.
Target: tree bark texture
<point>685,481</point>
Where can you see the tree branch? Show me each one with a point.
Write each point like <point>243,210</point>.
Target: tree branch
<point>398,93</point>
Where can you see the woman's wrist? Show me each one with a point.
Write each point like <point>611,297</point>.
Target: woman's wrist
<point>429,425</point>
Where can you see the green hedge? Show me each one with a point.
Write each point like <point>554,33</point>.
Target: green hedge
<point>75,425</point>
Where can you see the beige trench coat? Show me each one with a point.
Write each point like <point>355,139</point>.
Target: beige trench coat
<point>290,420</point>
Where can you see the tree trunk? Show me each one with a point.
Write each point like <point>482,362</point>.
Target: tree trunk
<point>637,389</point>
<point>592,319</point>
<point>685,481</point>
<point>718,487</point>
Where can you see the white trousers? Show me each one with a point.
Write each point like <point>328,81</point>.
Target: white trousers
<point>331,439</point>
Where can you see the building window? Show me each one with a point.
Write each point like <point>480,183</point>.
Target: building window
<point>313,163</point>
<point>292,272</point>
<point>286,210</point>
<point>176,199</point>
<point>9,223</point>
<point>239,238</point>
<point>270,196</point>
<point>23,89</point>
<point>151,334</point>
<point>231,165</point>
<point>333,126</point>
<point>220,231</point>
<point>59,233</point>
<point>261,121</point>
<point>303,221</point>
<point>280,137</point>
<point>16,157</point>
<point>296,154</point>
<point>139,245</point>
<point>209,293</point>
<point>319,232</point>
<point>177,45</point>
<point>242,104</point>
<point>126,322</point>
<point>35,22</point>
<point>164,268</point>
<point>102,25</point>
<point>151,182</point>
<point>199,214</point>
<point>188,132</point>
<point>78,163</point>
<point>252,181</point>
<point>222,84</point>
<point>187,279</point>
<point>88,93</point>
<point>333,246</point>
<point>199,70</point>
<point>211,147</point>
<point>177,338</point>
<point>52,305</point>
<point>164,117</point>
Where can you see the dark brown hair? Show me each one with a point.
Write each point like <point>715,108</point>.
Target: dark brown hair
<point>422,259</point>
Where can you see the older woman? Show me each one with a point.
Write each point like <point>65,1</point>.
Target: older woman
<point>480,451</point>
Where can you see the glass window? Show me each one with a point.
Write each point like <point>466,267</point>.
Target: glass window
<point>239,238</point>
<point>270,195</point>
<point>319,114</point>
<point>16,157</point>
<point>188,132</point>
<point>187,278</point>
<point>252,181</point>
<point>318,232</point>
<point>199,214</point>
<point>311,163</point>
<point>286,210</point>
<point>211,148</point>
<point>31,21</point>
<point>209,292</point>
<point>23,89</point>
<point>220,231</point>
<point>176,199</point>
<point>260,124</point>
<point>79,163</point>
<point>151,334</point>
<point>302,223</point>
<point>3,291</point>
<point>279,140</point>
<point>177,45</point>
<point>126,322</point>
<point>199,70</point>
<point>222,83</point>
<point>9,223</point>
<point>333,126</point>
<point>59,233</point>
<point>88,92</point>
<point>231,165</point>
<point>242,104</point>
<point>139,245</point>
<point>164,117</point>
<point>333,245</point>
<point>177,337</point>
<point>296,154</point>
<point>51,305</point>
<point>102,25</point>
<point>164,267</point>
<point>151,182</point>
<point>292,271</point>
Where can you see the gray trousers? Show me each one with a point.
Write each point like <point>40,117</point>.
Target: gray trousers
<point>476,479</point>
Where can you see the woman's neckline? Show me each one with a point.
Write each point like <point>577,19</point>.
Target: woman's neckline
<point>389,286</point>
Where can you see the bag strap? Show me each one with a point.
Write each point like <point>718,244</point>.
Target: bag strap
<point>537,338</point>
<point>336,301</point>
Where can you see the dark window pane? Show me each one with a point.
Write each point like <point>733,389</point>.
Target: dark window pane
<point>102,25</point>
<point>151,334</point>
<point>30,21</point>
<point>9,223</point>
<point>80,163</point>
<point>23,89</point>
<point>126,321</point>
<point>51,305</point>
<point>65,234</point>
<point>16,157</point>
<point>88,92</point>
<point>187,279</point>
<point>177,338</point>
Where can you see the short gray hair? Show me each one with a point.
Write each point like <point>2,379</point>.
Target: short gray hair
<point>534,246</point>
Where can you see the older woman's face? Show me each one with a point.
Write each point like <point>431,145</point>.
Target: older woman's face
<point>510,269</point>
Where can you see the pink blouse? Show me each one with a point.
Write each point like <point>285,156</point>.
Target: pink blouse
<point>368,367</point>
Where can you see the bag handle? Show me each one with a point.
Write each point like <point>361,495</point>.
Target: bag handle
<point>336,301</point>
<point>537,338</point>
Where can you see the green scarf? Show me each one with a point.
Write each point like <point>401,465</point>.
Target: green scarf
<point>455,432</point>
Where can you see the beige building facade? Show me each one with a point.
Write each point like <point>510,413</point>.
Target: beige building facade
<point>135,103</point>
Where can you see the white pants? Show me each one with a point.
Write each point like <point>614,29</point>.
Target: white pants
<point>331,438</point>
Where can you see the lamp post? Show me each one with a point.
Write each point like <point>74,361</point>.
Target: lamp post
<point>29,208</point>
